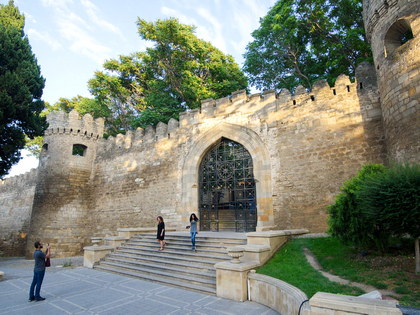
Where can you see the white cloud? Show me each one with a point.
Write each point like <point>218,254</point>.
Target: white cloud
<point>83,43</point>
<point>92,12</point>
<point>217,37</point>
<point>246,17</point>
<point>213,34</point>
<point>56,3</point>
<point>181,17</point>
<point>29,17</point>
<point>45,37</point>
<point>78,33</point>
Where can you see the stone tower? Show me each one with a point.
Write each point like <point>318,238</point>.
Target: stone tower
<point>393,29</point>
<point>62,194</point>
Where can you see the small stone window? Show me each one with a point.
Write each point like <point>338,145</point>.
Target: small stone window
<point>79,149</point>
<point>45,147</point>
<point>398,34</point>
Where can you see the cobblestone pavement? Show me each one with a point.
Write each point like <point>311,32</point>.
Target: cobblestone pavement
<point>79,290</point>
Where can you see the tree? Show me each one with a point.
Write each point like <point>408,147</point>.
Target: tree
<point>302,41</point>
<point>392,201</point>
<point>21,86</point>
<point>174,75</point>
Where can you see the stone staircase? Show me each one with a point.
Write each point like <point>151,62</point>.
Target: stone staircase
<point>177,265</point>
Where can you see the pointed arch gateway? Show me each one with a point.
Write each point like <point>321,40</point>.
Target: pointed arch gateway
<point>247,143</point>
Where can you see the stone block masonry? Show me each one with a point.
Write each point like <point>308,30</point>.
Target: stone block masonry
<point>16,199</point>
<point>303,146</point>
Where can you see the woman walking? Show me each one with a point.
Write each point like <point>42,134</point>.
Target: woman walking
<point>193,229</point>
<point>161,232</point>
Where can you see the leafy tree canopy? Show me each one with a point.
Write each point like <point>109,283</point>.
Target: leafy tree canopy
<point>302,41</point>
<point>21,86</point>
<point>174,75</point>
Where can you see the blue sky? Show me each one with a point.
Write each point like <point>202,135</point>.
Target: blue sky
<point>72,38</point>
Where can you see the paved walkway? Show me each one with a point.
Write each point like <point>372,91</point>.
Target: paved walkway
<point>79,290</point>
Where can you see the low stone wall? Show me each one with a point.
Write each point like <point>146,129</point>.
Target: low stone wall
<point>276,294</point>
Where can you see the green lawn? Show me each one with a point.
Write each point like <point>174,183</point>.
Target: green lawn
<point>391,272</point>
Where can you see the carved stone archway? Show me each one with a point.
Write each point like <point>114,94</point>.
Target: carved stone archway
<point>262,170</point>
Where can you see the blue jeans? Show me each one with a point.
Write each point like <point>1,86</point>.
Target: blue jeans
<point>36,282</point>
<point>193,234</point>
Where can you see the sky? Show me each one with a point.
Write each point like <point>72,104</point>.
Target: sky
<point>72,38</point>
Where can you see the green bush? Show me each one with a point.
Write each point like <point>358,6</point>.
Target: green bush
<point>347,221</point>
<point>392,200</point>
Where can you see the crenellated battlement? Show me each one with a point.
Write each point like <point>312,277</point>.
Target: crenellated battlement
<point>374,11</point>
<point>19,180</point>
<point>240,103</point>
<point>62,123</point>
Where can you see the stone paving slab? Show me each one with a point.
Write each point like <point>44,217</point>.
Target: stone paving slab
<point>80,290</point>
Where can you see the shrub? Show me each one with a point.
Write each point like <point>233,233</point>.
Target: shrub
<point>347,221</point>
<point>392,200</point>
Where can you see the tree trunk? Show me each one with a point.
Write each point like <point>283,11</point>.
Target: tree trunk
<point>416,245</point>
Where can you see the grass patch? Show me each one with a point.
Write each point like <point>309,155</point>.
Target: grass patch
<point>289,264</point>
<point>392,272</point>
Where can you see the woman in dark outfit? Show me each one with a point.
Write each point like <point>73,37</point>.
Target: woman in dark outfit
<point>161,232</point>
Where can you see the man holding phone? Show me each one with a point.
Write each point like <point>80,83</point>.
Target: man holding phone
<point>39,271</point>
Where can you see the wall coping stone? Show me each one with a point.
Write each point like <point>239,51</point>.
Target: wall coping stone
<point>116,238</point>
<point>269,234</point>
<point>291,291</point>
<point>98,248</point>
<point>242,266</point>
<point>353,304</point>
<point>140,230</point>
<point>254,248</point>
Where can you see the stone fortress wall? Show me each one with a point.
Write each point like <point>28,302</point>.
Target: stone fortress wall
<point>398,71</point>
<point>303,147</point>
<point>16,198</point>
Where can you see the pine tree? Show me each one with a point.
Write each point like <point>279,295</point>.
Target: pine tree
<point>21,86</point>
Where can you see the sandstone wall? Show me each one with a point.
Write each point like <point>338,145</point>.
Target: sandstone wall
<point>303,146</point>
<point>60,214</point>
<point>16,199</point>
<point>398,71</point>
<point>315,142</point>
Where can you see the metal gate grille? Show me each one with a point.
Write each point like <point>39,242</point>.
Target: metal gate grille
<point>227,189</point>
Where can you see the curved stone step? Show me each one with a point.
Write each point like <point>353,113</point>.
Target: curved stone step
<point>180,278</point>
<point>186,264</point>
<point>175,253</point>
<point>191,286</point>
<point>173,247</point>
<point>200,274</point>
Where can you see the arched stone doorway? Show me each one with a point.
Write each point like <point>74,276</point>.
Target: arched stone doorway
<point>261,167</point>
<point>227,194</point>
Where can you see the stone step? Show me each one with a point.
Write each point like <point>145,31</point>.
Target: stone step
<point>185,277</point>
<point>176,253</point>
<point>162,256</point>
<point>187,243</point>
<point>183,267</point>
<point>187,264</point>
<point>139,265</point>
<point>204,235</point>
<point>166,281</point>
<point>177,264</point>
<point>220,251</point>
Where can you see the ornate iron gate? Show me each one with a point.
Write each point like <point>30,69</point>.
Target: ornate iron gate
<point>227,189</point>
